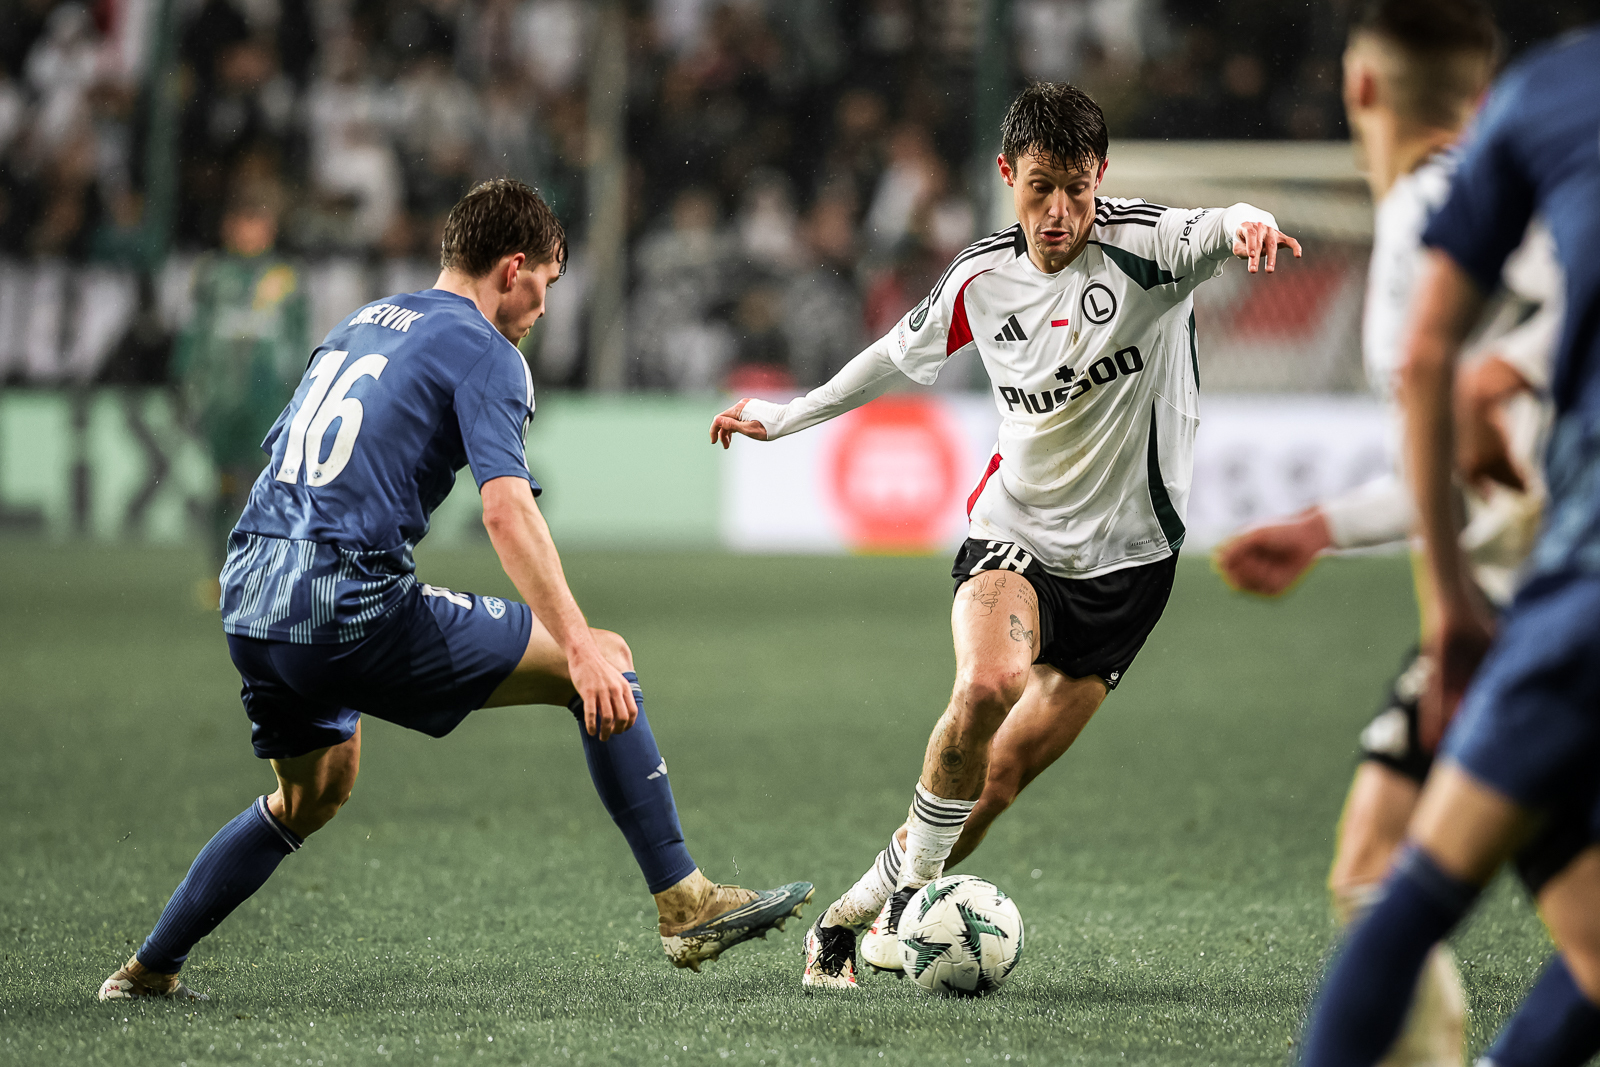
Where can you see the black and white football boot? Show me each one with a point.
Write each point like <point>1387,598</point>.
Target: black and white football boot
<point>830,957</point>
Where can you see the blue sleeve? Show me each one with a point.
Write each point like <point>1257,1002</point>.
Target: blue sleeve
<point>1491,198</point>
<point>494,404</point>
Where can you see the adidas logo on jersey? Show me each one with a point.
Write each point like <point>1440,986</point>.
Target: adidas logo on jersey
<point>1011,331</point>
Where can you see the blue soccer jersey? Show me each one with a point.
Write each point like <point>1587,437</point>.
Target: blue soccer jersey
<point>1536,149</point>
<point>400,396</point>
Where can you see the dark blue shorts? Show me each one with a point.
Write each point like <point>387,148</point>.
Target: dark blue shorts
<point>1530,724</point>
<point>435,657</point>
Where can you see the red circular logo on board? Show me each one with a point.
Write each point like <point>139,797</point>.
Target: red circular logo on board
<point>894,475</point>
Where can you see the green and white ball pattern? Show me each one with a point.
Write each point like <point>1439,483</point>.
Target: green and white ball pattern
<point>960,936</point>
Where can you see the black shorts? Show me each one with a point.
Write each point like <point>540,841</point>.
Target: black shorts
<point>1087,626</point>
<point>1391,738</point>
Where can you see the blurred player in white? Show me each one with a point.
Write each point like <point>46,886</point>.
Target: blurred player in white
<point>1414,72</point>
<point>1083,317</point>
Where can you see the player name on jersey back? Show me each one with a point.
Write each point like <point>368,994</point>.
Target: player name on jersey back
<point>390,316</point>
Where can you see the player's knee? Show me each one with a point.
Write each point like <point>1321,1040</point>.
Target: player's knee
<point>989,693</point>
<point>614,649</point>
<point>308,810</point>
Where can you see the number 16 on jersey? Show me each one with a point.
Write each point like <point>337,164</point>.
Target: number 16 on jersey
<point>326,400</point>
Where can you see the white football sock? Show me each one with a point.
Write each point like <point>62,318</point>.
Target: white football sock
<point>862,901</point>
<point>931,832</point>
<point>1434,1033</point>
<point>1435,1029</point>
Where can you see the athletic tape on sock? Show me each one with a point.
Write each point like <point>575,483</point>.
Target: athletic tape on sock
<point>931,833</point>
<point>862,901</point>
<point>290,838</point>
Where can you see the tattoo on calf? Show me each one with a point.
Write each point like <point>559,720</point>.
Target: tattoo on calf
<point>1019,633</point>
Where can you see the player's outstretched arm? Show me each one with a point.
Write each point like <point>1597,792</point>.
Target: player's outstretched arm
<point>865,378</point>
<point>1191,243</point>
<point>522,539</point>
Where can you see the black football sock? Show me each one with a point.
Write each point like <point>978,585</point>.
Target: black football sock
<point>1366,995</point>
<point>232,866</point>
<point>1556,1026</point>
<point>631,778</point>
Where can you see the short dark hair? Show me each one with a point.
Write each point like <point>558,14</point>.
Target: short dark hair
<point>1056,121</point>
<point>1449,48</point>
<point>500,217</point>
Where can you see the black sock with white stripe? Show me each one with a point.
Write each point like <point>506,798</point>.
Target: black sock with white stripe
<point>931,832</point>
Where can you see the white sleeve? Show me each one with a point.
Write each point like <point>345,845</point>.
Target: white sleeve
<point>1530,346</point>
<point>1190,242</point>
<point>1534,274</point>
<point>922,342</point>
<point>1374,513</point>
<point>864,378</point>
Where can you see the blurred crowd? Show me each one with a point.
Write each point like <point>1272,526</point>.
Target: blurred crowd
<point>797,170</point>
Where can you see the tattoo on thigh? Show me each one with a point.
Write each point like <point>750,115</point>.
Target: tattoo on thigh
<point>988,593</point>
<point>1027,596</point>
<point>1019,633</point>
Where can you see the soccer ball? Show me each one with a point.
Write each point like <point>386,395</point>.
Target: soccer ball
<point>960,936</point>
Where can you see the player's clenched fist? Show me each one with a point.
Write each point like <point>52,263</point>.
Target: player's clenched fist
<point>1253,240</point>
<point>1268,559</point>
<point>724,426</point>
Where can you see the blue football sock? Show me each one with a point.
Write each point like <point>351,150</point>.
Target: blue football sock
<point>631,778</point>
<point>1366,995</point>
<point>1556,1026</point>
<point>232,866</point>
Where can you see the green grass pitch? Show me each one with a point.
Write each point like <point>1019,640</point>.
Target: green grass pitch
<point>474,904</point>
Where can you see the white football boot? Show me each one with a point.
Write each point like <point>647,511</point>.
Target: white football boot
<point>830,957</point>
<point>880,947</point>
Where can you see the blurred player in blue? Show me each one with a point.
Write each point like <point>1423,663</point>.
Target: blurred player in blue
<point>326,620</point>
<point>1518,775</point>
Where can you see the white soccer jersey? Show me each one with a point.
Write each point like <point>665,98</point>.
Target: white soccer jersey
<point>1095,371</point>
<point>1380,511</point>
<point>1502,524</point>
<point>1396,262</point>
